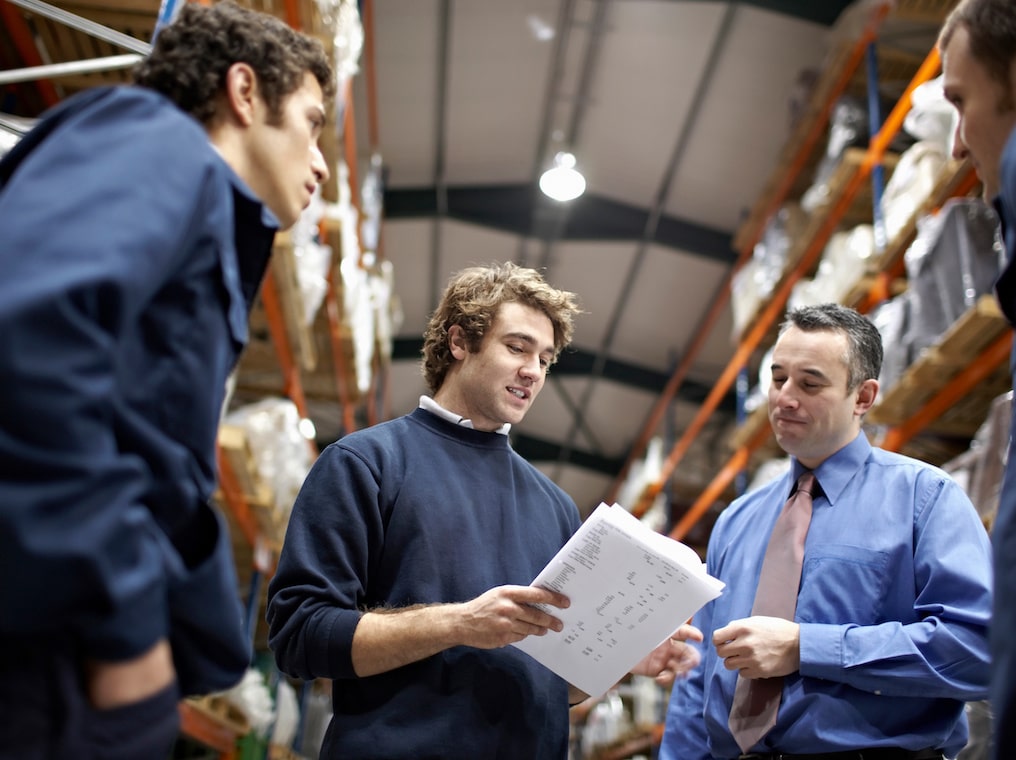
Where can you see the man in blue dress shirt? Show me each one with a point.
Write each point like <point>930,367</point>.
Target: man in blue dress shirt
<point>978,44</point>
<point>137,224</point>
<point>890,634</point>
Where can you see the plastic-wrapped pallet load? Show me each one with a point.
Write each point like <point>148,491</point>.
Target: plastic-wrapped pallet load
<point>272,458</point>
<point>892,318</point>
<point>954,260</point>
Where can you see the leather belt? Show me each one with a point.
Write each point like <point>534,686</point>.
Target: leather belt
<point>875,753</point>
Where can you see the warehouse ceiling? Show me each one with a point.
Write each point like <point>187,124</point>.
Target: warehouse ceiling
<point>677,113</point>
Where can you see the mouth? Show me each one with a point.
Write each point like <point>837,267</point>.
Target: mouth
<point>519,393</point>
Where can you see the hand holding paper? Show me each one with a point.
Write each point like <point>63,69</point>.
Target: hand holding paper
<point>630,589</point>
<point>672,658</point>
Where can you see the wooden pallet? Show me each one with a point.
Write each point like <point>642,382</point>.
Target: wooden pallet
<point>291,301</point>
<point>958,347</point>
<point>235,446</point>
<point>222,711</point>
<point>278,752</point>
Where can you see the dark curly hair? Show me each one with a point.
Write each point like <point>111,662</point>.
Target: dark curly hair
<point>472,300</point>
<point>191,56</point>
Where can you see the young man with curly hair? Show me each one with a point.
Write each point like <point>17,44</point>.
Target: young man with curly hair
<point>404,573</point>
<point>137,224</point>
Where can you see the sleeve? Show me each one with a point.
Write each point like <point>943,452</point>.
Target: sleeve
<point>1007,197</point>
<point>685,736</point>
<point>91,230</point>
<point>684,732</point>
<point>944,651</point>
<point>321,582</point>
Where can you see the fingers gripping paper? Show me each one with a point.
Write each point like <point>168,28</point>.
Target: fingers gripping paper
<point>630,588</point>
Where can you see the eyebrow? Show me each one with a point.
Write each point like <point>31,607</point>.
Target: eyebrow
<point>816,373</point>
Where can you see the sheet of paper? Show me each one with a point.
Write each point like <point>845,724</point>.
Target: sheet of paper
<point>629,587</point>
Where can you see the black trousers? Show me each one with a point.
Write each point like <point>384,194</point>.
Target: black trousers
<point>44,714</point>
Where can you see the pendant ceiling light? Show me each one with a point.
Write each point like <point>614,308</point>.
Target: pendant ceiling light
<point>562,182</point>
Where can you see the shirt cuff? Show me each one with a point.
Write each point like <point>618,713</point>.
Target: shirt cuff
<point>821,650</point>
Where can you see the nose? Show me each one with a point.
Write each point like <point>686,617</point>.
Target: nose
<point>959,150</point>
<point>318,165</point>
<point>531,368</point>
<point>783,397</point>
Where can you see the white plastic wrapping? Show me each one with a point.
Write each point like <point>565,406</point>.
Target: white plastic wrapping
<point>282,456</point>
<point>287,718</point>
<point>912,181</point>
<point>955,258</point>
<point>252,697</point>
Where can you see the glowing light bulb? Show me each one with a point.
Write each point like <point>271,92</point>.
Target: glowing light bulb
<point>563,182</point>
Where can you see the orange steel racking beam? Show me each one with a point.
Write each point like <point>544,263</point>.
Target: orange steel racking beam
<point>349,146</point>
<point>349,154</point>
<point>370,74</point>
<point>235,500</point>
<point>967,184</point>
<point>292,8</point>
<point>212,734</point>
<point>339,360</point>
<point>723,479</point>
<point>292,385</point>
<point>952,392</point>
<point>672,386</point>
<point>723,297</point>
<point>876,149</point>
<point>869,36</point>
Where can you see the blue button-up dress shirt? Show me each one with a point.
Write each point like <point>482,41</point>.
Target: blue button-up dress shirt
<point>893,609</point>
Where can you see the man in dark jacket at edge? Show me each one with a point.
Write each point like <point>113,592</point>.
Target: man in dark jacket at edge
<point>137,224</point>
<point>978,46</point>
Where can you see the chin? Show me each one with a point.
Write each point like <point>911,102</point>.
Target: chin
<point>286,221</point>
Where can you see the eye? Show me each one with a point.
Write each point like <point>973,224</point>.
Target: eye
<point>545,363</point>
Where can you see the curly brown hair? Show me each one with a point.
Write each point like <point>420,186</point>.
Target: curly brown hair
<point>191,56</point>
<point>472,300</point>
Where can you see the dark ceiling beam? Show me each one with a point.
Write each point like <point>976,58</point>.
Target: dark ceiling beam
<point>823,12</point>
<point>510,208</point>
<point>576,362</point>
<point>538,450</point>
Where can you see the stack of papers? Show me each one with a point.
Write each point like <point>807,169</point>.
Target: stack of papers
<point>630,588</point>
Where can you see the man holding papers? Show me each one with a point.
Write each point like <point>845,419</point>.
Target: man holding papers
<point>886,634</point>
<point>406,569</point>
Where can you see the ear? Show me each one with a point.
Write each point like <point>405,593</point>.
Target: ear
<point>241,92</point>
<point>864,397</point>
<point>457,342</point>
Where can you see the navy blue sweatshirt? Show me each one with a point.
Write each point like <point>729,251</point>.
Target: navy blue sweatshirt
<point>414,511</point>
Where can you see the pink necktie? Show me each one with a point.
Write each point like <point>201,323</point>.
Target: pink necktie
<point>756,700</point>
